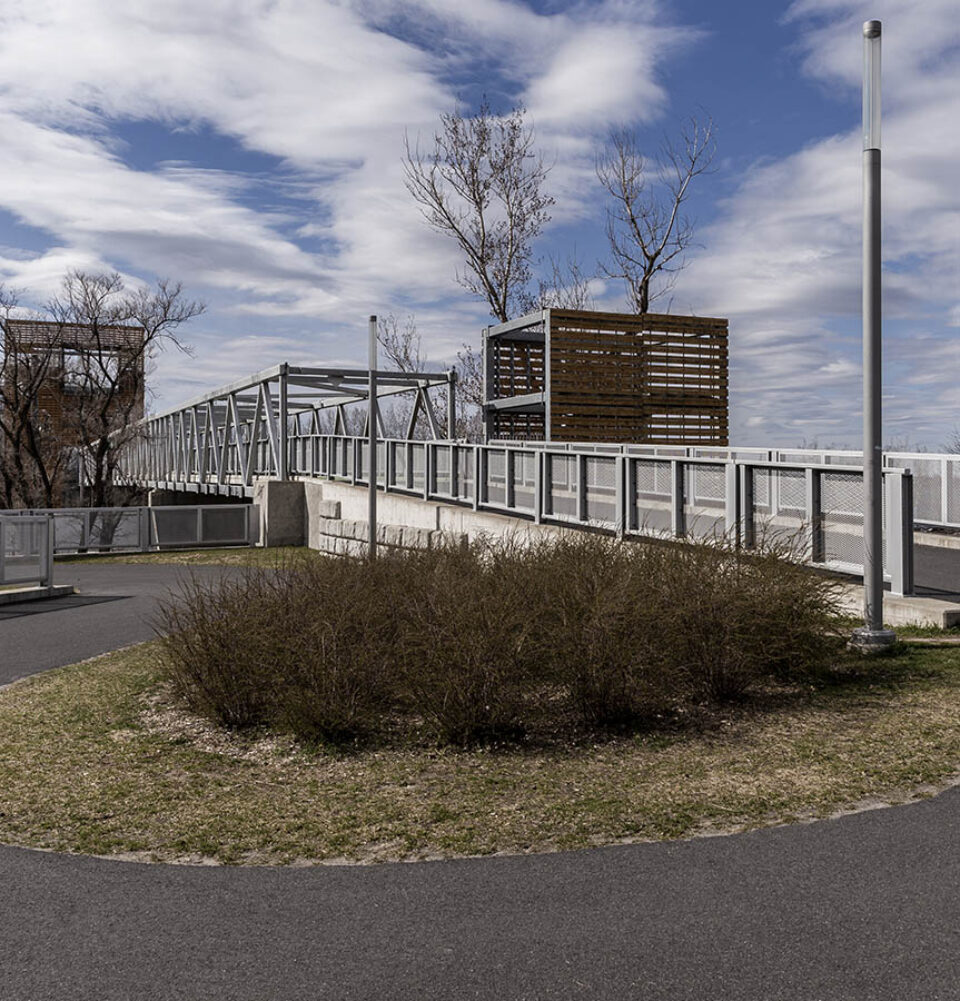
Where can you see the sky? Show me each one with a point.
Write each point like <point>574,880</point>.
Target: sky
<point>252,149</point>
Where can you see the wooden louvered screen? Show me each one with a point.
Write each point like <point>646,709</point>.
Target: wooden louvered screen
<point>645,378</point>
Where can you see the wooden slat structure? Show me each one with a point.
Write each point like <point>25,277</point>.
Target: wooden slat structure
<point>574,375</point>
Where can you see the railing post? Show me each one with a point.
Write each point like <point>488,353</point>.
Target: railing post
<point>538,472</point>
<point>477,470</point>
<point>944,491</point>
<point>143,529</point>
<point>620,523</point>
<point>355,445</point>
<point>677,525</point>
<point>581,487</point>
<point>731,496</point>
<point>48,553</point>
<point>428,466</point>
<point>748,537</point>
<point>899,530</point>
<point>454,472</point>
<point>813,505</point>
<point>509,478</point>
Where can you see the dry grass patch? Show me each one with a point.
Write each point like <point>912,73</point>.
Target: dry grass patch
<point>95,758</point>
<point>241,556</point>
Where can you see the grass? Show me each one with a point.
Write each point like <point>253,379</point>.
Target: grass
<point>236,556</point>
<point>96,758</point>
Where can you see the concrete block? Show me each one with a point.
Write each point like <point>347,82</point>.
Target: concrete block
<point>907,611</point>
<point>282,506</point>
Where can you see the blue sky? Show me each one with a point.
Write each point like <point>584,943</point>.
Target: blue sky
<point>252,149</point>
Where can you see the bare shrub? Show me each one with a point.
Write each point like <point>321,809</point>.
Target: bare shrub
<point>215,640</point>
<point>466,644</point>
<point>462,638</point>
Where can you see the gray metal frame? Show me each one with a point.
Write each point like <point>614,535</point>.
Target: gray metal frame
<point>26,549</point>
<point>700,498</point>
<point>221,441</point>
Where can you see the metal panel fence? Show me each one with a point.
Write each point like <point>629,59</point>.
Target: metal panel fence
<point>26,550</point>
<point>140,529</point>
<point>936,476</point>
<point>742,495</point>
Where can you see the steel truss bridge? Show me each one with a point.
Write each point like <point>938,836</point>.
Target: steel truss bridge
<point>292,422</point>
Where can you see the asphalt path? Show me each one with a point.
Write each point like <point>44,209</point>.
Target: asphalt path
<point>115,606</point>
<point>937,572</point>
<point>865,907</point>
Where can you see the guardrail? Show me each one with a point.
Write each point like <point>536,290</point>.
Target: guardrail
<point>676,496</point>
<point>936,475</point>
<point>26,550</point>
<point>141,529</point>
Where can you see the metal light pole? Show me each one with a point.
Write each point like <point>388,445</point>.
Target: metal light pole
<point>871,635</point>
<point>372,441</point>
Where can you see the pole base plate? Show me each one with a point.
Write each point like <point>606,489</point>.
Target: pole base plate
<point>868,641</point>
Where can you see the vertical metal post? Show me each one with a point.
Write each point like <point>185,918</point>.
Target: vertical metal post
<point>898,491</point>
<point>677,526</point>
<point>47,580</point>
<point>582,509</point>
<point>620,524</point>
<point>283,445</point>
<point>731,493</point>
<point>452,404</point>
<point>747,531</point>
<point>872,635</point>
<point>477,472</point>
<point>813,503</point>
<point>538,460</point>
<point>372,442</point>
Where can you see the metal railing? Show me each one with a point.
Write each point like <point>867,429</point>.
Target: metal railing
<point>744,498</point>
<point>936,475</point>
<point>26,550</point>
<point>141,529</point>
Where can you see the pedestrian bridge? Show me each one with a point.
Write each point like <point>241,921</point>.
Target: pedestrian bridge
<point>291,423</point>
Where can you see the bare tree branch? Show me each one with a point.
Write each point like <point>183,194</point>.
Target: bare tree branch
<point>646,228</point>
<point>567,288</point>
<point>86,357</point>
<point>482,184</point>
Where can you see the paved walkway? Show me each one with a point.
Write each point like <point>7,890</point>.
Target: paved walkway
<point>116,606</point>
<point>864,908</point>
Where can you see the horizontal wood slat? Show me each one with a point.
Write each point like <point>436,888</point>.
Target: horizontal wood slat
<point>650,377</point>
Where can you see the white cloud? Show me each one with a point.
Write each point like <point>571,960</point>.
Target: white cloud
<point>783,260</point>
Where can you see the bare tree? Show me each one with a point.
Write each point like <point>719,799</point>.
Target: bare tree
<point>567,287</point>
<point>483,185</point>
<point>32,460</point>
<point>89,353</point>
<point>401,343</point>
<point>646,228</point>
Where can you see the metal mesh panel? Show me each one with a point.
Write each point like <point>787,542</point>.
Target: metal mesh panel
<point>419,462</point>
<point>442,467</point>
<point>465,470</point>
<point>224,524</point>
<point>601,490</point>
<point>496,480</point>
<point>174,526</point>
<point>399,452</point>
<point>704,506</point>
<point>927,486</point>
<point>22,543</point>
<point>561,488</point>
<point>652,509</point>
<point>115,528</point>
<point>382,463</point>
<point>771,521</point>
<point>953,491</point>
<point>524,480</point>
<point>69,528</point>
<point>841,498</point>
